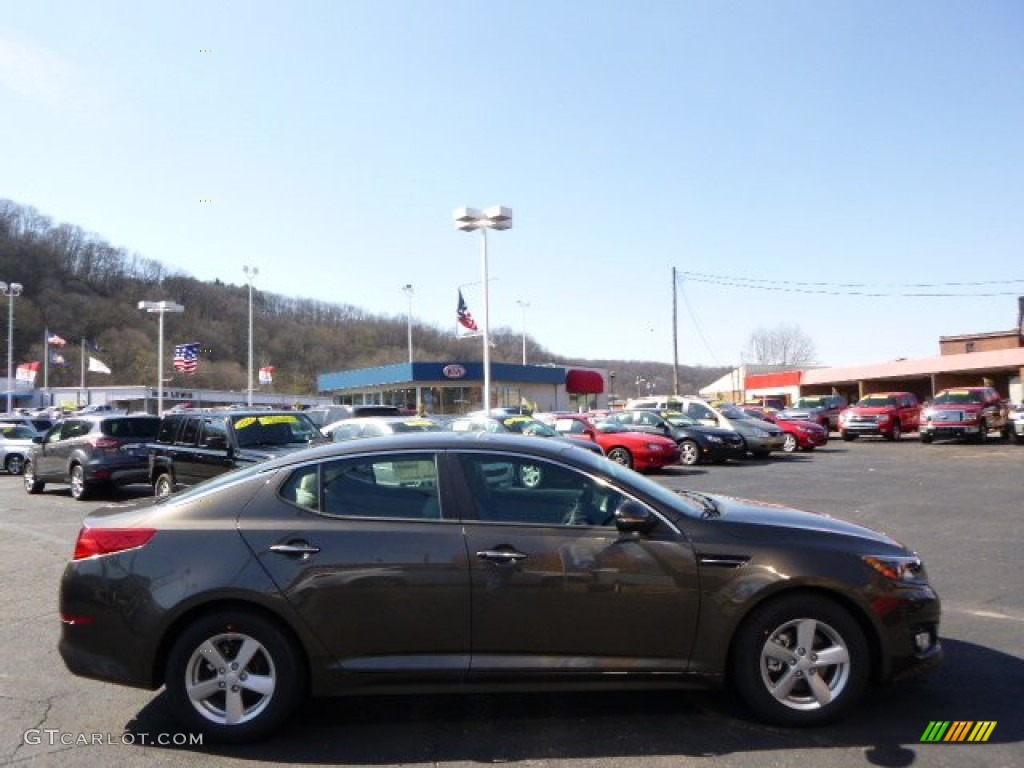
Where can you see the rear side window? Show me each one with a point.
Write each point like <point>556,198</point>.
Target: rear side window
<point>135,427</point>
<point>168,429</point>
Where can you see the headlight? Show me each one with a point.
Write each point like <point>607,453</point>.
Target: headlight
<point>905,569</point>
<point>929,414</point>
<point>760,433</point>
<point>713,438</point>
<point>654,447</point>
<point>883,417</point>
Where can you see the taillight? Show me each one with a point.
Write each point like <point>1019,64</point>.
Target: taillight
<point>106,541</point>
<point>106,442</point>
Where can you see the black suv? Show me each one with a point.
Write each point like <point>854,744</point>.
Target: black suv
<point>196,445</point>
<point>88,452</point>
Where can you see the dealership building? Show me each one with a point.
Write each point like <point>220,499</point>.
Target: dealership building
<point>992,359</point>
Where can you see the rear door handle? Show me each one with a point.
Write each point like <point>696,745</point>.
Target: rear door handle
<point>301,549</point>
<point>501,555</point>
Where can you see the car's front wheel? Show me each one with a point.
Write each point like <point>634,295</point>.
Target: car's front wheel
<point>689,453</point>
<point>32,485</point>
<point>234,676</point>
<point>621,456</point>
<point>896,432</point>
<point>14,464</point>
<point>800,660</point>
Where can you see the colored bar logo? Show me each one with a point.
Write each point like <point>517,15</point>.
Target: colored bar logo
<point>959,730</point>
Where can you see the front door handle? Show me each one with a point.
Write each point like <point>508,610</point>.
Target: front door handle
<point>501,555</point>
<point>302,549</point>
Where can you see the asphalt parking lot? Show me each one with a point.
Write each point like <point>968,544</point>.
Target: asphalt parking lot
<point>958,505</point>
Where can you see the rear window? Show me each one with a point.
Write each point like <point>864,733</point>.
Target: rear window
<point>141,427</point>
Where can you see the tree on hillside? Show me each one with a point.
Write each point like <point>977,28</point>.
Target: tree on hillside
<point>782,345</point>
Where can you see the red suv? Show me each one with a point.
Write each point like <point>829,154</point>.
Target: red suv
<point>964,412</point>
<point>888,414</point>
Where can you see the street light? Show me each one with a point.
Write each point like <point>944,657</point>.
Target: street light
<point>10,290</point>
<point>467,219</point>
<point>523,305</point>
<point>250,275</point>
<point>160,308</point>
<point>407,288</point>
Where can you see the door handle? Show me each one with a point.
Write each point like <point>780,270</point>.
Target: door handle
<point>501,555</point>
<point>301,548</point>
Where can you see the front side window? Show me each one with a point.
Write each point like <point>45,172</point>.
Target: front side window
<point>524,490</point>
<point>403,486</point>
<point>215,434</point>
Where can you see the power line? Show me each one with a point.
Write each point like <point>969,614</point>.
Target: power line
<point>828,289</point>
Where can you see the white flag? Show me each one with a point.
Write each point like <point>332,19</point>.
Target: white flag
<point>97,365</point>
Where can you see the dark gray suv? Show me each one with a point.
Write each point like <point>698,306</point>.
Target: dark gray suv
<point>88,452</point>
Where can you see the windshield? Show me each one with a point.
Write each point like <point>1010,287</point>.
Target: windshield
<point>417,425</point>
<point>957,397</point>
<point>524,425</point>
<point>734,413</point>
<point>809,402</point>
<point>678,420</point>
<point>610,427</point>
<point>16,432</point>
<point>878,401</point>
<point>274,429</point>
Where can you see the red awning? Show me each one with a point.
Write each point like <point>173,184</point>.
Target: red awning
<point>583,382</point>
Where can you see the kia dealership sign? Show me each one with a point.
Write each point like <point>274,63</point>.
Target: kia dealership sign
<point>453,371</point>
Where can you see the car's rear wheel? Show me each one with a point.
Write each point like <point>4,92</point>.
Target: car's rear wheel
<point>79,487</point>
<point>14,464</point>
<point>233,676</point>
<point>32,485</point>
<point>800,660</point>
<point>163,486</point>
<point>621,456</point>
<point>689,453</point>
<point>790,444</point>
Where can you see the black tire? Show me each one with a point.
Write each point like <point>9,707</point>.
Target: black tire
<point>163,485</point>
<point>14,464</point>
<point>762,662</point>
<point>29,479</point>
<point>1018,439</point>
<point>926,438</point>
<point>80,489</point>
<point>848,437</point>
<point>689,453</point>
<point>621,455</point>
<point>761,454</point>
<point>982,432</point>
<point>896,433</point>
<point>790,443</point>
<point>192,665</point>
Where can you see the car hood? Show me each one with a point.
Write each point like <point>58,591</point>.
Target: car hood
<point>955,407</point>
<point>790,413</point>
<point>258,453</point>
<point>749,519</point>
<point>873,410</point>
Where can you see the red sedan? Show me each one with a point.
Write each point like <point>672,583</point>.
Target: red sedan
<point>805,435</point>
<point>637,450</point>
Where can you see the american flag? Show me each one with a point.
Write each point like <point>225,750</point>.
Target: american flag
<point>186,357</point>
<point>465,318</point>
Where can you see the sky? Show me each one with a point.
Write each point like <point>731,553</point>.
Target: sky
<point>805,164</point>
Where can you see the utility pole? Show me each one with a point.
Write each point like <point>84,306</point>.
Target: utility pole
<point>675,338</point>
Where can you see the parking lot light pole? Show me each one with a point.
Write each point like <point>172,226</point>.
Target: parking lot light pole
<point>523,305</point>
<point>250,275</point>
<point>160,308</point>
<point>10,290</point>
<point>468,219</point>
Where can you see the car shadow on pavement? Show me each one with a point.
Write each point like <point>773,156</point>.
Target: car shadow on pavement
<point>973,684</point>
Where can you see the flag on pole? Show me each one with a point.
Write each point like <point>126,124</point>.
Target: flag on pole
<point>54,340</point>
<point>267,374</point>
<point>56,358</point>
<point>186,357</point>
<point>464,316</point>
<point>27,372</point>
<point>97,366</point>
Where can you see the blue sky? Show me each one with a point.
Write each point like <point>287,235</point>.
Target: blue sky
<point>787,143</point>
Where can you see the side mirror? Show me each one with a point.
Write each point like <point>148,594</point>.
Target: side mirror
<point>634,517</point>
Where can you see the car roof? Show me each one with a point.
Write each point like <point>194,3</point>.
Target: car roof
<point>555,450</point>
